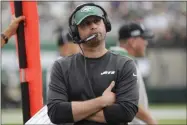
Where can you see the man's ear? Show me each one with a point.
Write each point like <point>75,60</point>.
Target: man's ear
<point>131,42</point>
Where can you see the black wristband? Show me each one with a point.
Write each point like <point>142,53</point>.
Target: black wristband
<point>5,38</point>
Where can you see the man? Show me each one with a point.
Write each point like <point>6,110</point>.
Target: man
<point>132,43</point>
<point>11,30</point>
<point>81,90</point>
<point>65,44</point>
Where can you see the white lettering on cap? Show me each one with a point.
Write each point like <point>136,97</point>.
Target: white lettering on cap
<point>86,9</point>
<point>135,33</point>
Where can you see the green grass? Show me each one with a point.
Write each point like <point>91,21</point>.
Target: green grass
<point>11,116</point>
<point>174,122</point>
<point>168,106</point>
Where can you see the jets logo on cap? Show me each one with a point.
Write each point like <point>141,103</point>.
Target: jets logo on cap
<point>86,9</point>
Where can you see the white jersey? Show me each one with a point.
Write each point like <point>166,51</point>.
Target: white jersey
<point>143,100</point>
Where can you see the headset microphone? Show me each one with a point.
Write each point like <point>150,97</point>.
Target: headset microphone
<point>88,38</point>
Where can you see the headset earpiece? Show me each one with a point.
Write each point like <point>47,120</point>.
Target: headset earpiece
<point>107,24</point>
<point>73,31</point>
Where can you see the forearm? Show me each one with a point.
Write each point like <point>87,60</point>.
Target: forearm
<point>145,115</point>
<point>116,112</point>
<point>97,117</point>
<point>81,110</point>
<point>120,113</point>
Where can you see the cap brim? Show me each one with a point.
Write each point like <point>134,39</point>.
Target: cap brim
<point>88,16</point>
<point>148,34</point>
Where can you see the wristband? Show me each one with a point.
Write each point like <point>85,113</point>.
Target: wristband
<point>4,38</point>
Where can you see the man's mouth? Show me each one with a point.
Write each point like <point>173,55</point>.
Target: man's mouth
<point>91,37</point>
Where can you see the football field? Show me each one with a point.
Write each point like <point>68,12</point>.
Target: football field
<point>165,114</point>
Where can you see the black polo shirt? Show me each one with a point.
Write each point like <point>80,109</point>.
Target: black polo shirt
<point>69,81</point>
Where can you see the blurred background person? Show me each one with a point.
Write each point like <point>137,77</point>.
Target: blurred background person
<point>65,44</point>
<point>133,43</point>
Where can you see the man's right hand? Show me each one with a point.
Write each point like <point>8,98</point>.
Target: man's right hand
<point>108,96</point>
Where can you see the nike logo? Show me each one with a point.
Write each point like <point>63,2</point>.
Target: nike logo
<point>134,74</point>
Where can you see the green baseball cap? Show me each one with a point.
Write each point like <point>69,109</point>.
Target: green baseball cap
<point>87,11</point>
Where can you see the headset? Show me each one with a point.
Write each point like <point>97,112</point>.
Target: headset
<point>73,29</point>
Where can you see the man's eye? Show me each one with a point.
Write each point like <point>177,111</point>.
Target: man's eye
<point>88,23</point>
<point>84,23</point>
<point>96,20</point>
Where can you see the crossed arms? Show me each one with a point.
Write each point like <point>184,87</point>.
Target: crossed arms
<point>118,107</point>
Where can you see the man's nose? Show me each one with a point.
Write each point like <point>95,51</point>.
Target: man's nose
<point>93,26</point>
